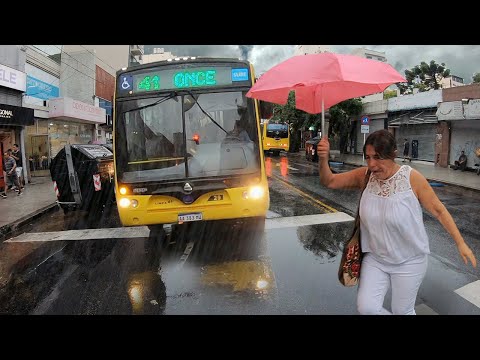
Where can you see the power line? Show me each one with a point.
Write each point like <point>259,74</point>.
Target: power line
<point>73,74</point>
<point>60,82</point>
<point>78,61</point>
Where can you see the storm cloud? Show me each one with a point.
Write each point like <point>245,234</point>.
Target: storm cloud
<point>462,60</point>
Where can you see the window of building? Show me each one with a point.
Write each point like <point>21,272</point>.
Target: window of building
<point>105,104</point>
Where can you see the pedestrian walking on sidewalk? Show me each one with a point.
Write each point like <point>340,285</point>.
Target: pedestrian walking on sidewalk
<point>4,195</point>
<point>393,236</point>
<point>17,155</point>
<point>10,166</point>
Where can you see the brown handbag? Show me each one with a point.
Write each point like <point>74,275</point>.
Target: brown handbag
<point>350,264</point>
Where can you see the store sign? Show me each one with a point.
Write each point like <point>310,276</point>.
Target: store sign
<point>76,110</point>
<point>450,110</point>
<point>15,115</point>
<point>12,78</point>
<point>472,109</point>
<point>6,114</point>
<point>40,89</point>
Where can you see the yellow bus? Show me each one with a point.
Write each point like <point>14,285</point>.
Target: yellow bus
<point>187,143</point>
<point>275,137</point>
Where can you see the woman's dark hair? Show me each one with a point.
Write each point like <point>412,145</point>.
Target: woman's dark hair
<point>383,142</point>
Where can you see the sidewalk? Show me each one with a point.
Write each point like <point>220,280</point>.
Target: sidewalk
<point>38,198</point>
<point>466,179</point>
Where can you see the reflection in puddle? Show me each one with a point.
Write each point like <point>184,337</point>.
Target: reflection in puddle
<point>146,291</point>
<point>253,275</point>
<point>325,241</point>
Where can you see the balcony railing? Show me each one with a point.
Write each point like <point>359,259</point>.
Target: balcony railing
<point>136,50</point>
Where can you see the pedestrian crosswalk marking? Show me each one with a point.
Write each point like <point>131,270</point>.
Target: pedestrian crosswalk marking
<point>470,292</point>
<point>143,231</point>
<point>295,221</point>
<point>423,309</point>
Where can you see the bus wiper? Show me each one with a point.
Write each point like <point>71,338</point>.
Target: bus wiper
<point>203,111</point>
<point>159,101</point>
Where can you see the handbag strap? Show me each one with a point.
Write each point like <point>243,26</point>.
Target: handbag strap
<point>365,182</point>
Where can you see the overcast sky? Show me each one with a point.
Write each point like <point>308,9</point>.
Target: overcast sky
<point>462,60</point>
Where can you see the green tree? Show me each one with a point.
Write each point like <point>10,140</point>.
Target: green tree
<point>266,109</point>
<point>389,94</point>
<point>340,123</point>
<point>289,114</point>
<point>424,77</point>
<point>297,119</point>
<point>476,78</point>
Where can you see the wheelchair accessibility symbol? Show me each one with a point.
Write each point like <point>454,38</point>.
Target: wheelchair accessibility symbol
<point>126,82</point>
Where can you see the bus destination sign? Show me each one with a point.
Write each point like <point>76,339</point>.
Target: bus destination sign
<point>177,79</point>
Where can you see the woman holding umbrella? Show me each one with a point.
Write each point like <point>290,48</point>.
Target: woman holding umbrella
<point>393,235</point>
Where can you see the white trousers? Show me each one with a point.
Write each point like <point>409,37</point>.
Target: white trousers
<point>375,279</point>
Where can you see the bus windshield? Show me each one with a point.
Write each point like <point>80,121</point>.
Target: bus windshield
<point>183,135</point>
<point>277,131</point>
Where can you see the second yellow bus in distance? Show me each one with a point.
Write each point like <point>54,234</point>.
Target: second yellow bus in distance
<point>275,137</point>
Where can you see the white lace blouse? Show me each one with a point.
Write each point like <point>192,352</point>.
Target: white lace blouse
<point>391,219</point>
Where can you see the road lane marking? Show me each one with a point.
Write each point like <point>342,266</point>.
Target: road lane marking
<point>86,234</point>
<point>271,214</point>
<point>297,164</point>
<point>325,206</point>
<point>288,166</point>
<point>295,221</point>
<point>471,292</point>
<point>144,232</point>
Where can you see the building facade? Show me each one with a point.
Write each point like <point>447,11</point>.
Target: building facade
<point>370,54</point>
<point>452,81</point>
<point>14,118</point>
<point>135,53</point>
<point>70,90</point>
<point>438,124</point>
<point>43,79</point>
<point>159,54</point>
<point>310,49</point>
<point>460,111</point>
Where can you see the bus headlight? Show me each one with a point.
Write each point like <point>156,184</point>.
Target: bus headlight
<point>254,192</point>
<point>124,202</point>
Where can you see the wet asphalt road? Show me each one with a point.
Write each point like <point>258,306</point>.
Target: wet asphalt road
<point>226,268</point>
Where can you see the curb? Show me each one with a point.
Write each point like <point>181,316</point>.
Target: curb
<point>8,229</point>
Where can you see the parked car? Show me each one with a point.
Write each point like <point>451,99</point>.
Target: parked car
<point>311,148</point>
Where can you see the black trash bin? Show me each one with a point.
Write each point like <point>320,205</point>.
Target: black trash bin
<point>83,177</point>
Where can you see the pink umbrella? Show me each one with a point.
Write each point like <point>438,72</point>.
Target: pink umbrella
<point>323,80</point>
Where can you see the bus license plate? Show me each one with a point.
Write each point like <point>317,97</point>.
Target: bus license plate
<point>190,217</point>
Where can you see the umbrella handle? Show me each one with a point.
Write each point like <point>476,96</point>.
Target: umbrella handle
<point>323,120</point>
